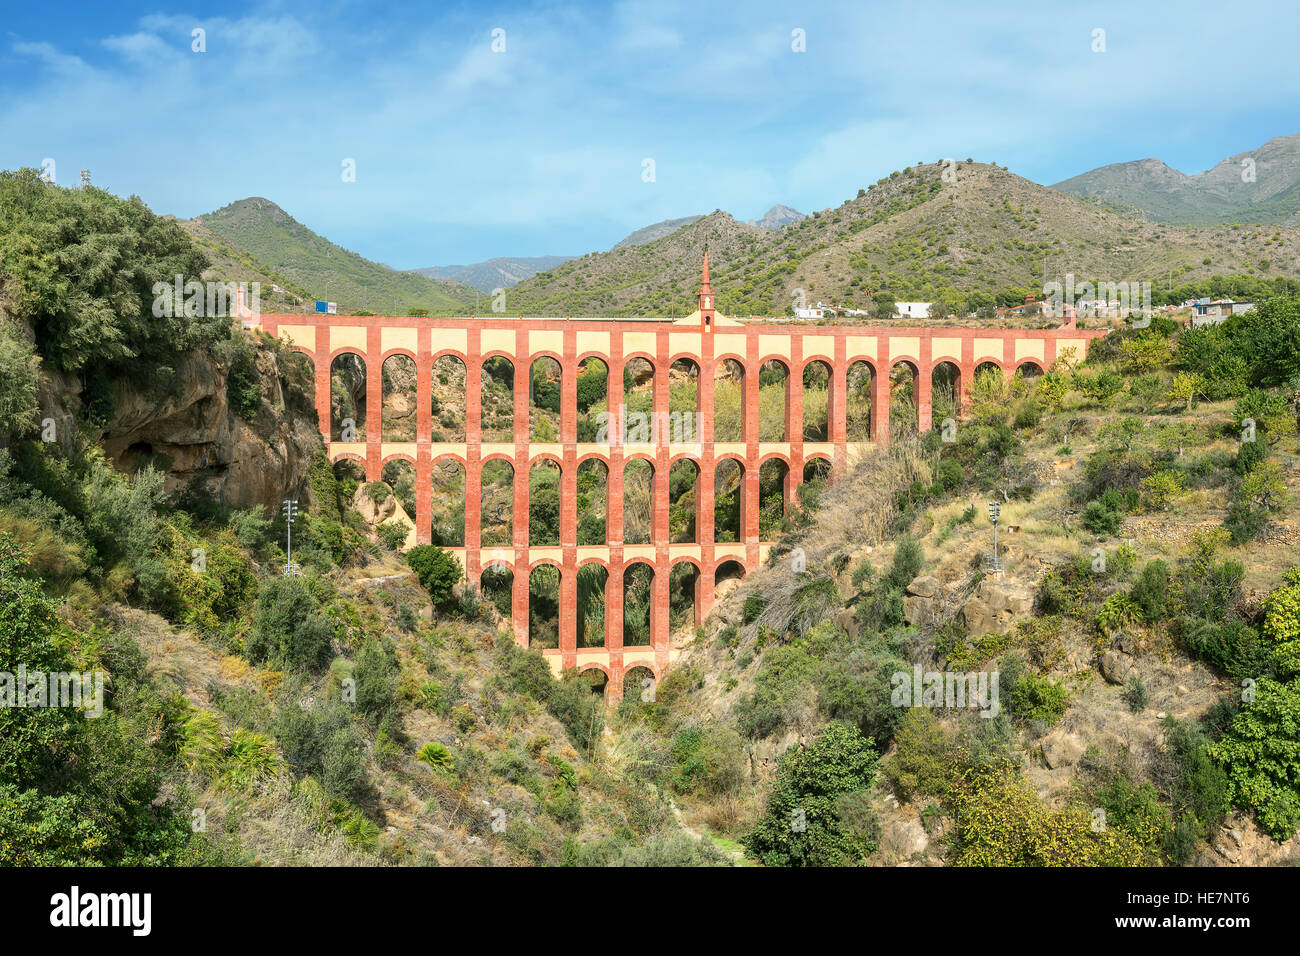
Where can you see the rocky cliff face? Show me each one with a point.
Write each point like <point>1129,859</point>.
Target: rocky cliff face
<point>188,430</point>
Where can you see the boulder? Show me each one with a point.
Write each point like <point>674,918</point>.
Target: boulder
<point>847,622</point>
<point>923,600</point>
<point>996,606</point>
<point>1115,666</point>
<point>926,586</point>
<point>1060,749</point>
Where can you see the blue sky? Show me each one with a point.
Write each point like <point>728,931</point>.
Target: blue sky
<point>463,153</point>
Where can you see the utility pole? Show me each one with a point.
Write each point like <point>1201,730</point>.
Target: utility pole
<point>290,510</point>
<point>995,510</point>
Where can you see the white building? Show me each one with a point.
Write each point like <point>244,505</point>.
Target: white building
<point>913,310</point>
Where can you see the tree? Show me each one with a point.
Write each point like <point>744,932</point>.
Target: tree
<point>438,572</point>
<point>1184,388</point>
<point>1099,388</point>
<point>1262,759</point>
<point>289,629</point>
<point>1264,487</point>
<point>81,265</point>
<point>883,306</point>
<point>1146,353</point>
<point>1271,339</point>
<point>18,385</point>
<point>808,822</point>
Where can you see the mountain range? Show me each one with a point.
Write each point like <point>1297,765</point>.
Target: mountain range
<point>916,234</point>
<point>1258,186</point>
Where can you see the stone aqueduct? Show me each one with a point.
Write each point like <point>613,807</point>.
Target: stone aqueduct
<point>707,339</point>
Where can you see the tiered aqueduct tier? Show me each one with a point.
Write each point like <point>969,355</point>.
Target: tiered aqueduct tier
<point>704,338</point>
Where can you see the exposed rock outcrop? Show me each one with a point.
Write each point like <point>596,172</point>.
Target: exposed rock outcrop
<point>996,606</point>
<point>187,429</point>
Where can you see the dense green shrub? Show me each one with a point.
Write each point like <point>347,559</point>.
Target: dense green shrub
<point>289,629</point>
<point>1261,754</point>
<point>1101,520</point>
<point>1150,590</point>
<point>438,571</point>
<point>710,758</point>
<point>81,265</point>
<point>778,688</point>
<point>807,822</point>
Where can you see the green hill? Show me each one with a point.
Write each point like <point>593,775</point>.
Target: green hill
<point>325,270</point>
<point>915,235</point>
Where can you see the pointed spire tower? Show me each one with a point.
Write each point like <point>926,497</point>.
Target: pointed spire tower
<point>705,298</point>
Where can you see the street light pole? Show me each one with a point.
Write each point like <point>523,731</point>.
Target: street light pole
<point>995,510</point>
<point>290,510</point>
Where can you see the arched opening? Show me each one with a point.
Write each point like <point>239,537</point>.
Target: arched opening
<point>591,605</point>
<point>729,401</point>
<point>638,604</point>
<point>817,401</point>
<point>638,683</point>
<point>397,422</point>
<point>544,504</point>
<point>772,504</point>
<point>497,504</point>
<point>726,577</point>
<point>298,377</point>
<point>497,585</point>
<point>816,476</point>
<point>683,590</point>
<point>497,394</point>
<point>638,399</point>
<point>348,398</point>
<point>859,379</point>
<point>728,501</point>
<point>447,527</point>
<point>684,401</point>
<point>593,484</point>
<point>638,501</point>
<point>544,389</point>
<point>544,607</point>
<point>773,400</point>
<point>399,475</point>
<point>593,399</point>
<point>1030,371</point>
<point>945,393</point>
<point>448,400</point>
<point>902,400</point>
<point>350,475</point>
<point>990,390</point>
<point>597,680</point>
<point>683,501</point>
<point>817,469</point>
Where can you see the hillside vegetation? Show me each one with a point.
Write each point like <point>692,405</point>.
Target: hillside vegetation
<point>327,271</point>
<point>1144,630</point>
<point>978,238</point>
